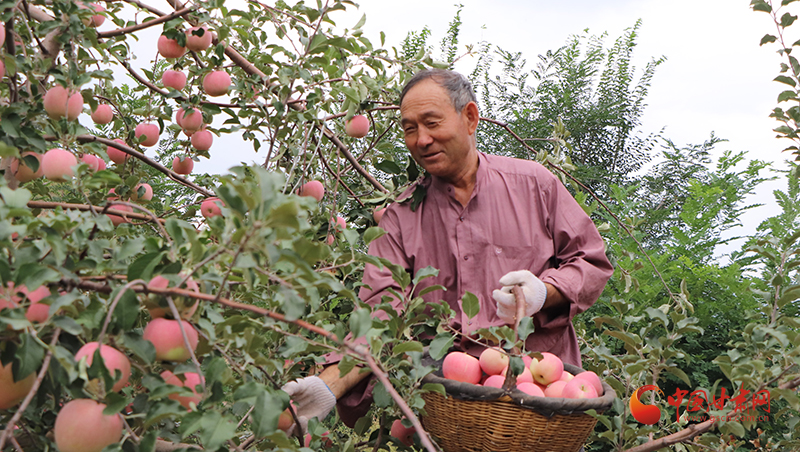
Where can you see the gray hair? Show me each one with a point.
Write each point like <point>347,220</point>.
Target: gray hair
<point>457,86</point>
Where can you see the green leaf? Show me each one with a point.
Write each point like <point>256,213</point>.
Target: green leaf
<point>216,429</point>
<point>266,410</point>
<point>440,345</point>
<point>360,322</point>
<point>405,347</point>
<point>424,273</point>
<point>15,198</point>
<point>787,95</point>
<point>381,396</point>
<point>525,328</point>
<point>435,387</point>
<point>470,304</point>
<point>784,79</point>
<point>787,19</point>
<point>767,39</point>
<point>67,324</point>
<point>679,373</point>
<point>373,233</point>
<point>142,268</point>
<point>29,355</point>
<point>140,347</point>
<point>759,5</point>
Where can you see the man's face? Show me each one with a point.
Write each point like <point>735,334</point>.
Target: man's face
<point>438,136</point>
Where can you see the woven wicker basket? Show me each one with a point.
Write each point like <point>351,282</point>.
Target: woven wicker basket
<point>483,419</point>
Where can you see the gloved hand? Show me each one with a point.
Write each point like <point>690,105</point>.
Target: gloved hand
<point>311,398</point>
<point>532,287</point>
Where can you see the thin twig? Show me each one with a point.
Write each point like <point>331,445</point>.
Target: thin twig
<point>143,25</point>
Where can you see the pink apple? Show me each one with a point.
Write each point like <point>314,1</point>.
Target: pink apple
<point>167,339</point>
<point>330,239</point>
<point>524,377</point>
<point>147,192</point>
<point>97,19</point>
<point>182,165</point>
<point>116,219</point>
<point>566,376</point>
<point>216,83</point>
<point>548,369</point>
<point>186,307</point>
<point>530,389</point>
<point>103,114</point>
<point>37,312</point>
<point>493,361</point>
<point>169,48</point>
<point>578,388</point>
<point>113,359</point>
<point>555,389</point>
<point>149,131</point>
<point>81,426</point>
<point>357,126</point>
<point>174,79</point>
<point>460,366</point>
<point>22,172</point>
<point>12,392</point>
<point>339,224</point>
<point>403,434</point>
<point>210,207</point>
<point>593,379</point>
<point>198,39</point>
<point>202,140</point>
<point>92,161</point>
<point>2,34</point>
<point>189,380</point>
<point>2,69</point>
<point>60,103</point>
<point>313,188</point>
<point>59,164</point>
<point>116,155</point>
<point>495,381</point>
<point>190,119</point>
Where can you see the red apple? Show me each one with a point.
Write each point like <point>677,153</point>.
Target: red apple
<point>103,114</point>
<point>149,131</point>
<point>216,83</point>
<point>592,379</point>
<point>186,307</point>
<point>188,380</point>
<point>191,119</point>
<point>313,188</point>
<point>202,140</point>
<point>2,34</point>
<point>116,219</point>
<point>378,214</point>
<point>403,434</point>
<point>169,48</point>
<point>548,369</point>
<point>174,79</point>
<point>578,388</point>
<point>22,172</point>
<point>167,339</point>
<point>460,366</point>
<point>58,164</point>
<point>357,126</point>
<point>113,359</point>
<point>97,19</point>
<point>116,155</point>
<point>495,381</point>
<point>530,389</point>
<point>211,207</point>
<point>339,224</point>
<point>198,39</point>
<point>285,420</point>
<point>81,426</point>
<point>12,392</point>
<point>60,103</point>
<point>182,165</point>
<point>555,389</point>
<point>147,193</point>
<point>493,361</point>
<point>37,312</point>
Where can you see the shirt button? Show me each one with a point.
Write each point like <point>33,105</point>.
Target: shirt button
<point>466,258</point>
<point>461,218</point>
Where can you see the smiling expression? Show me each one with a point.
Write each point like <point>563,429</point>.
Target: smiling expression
<point>440,139</point>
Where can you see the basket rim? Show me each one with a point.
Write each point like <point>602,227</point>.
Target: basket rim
<point>547,406</point>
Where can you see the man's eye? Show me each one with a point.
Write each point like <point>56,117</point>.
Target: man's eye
<point>408,130</point>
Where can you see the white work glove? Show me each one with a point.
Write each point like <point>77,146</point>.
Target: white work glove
<point>311,398</point>
<point>532,287</point>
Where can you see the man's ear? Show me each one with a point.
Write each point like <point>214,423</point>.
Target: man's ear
<point>470,113</point>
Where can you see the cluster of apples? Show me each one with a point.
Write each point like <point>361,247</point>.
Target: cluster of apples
<point>544,377</point>
<point>80,424</point>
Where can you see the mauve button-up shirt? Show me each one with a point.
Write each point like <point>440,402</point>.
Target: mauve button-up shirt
<point>519,216</point>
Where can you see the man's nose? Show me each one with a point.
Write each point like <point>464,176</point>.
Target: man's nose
<point>424,139</point>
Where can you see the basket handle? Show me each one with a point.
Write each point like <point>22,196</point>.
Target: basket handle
<point>511,380</point>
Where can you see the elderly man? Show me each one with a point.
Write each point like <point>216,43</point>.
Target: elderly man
<point>487,223</point>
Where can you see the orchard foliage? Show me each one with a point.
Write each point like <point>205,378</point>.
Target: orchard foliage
<point>267,280</point>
